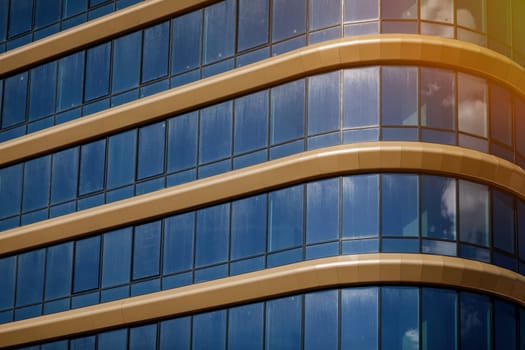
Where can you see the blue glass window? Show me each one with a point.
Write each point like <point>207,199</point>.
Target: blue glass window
<point>65,175</point>
<point>438,207</point>
<point>70,81</point>
<point>47,12</point>
<point>42,90</point>
<point>182,142</point>
<point>20,17</point>
<point>155,52</point>
<point>399,96</point>
<point>209,330</point>
<point>253,23</point>
<point>285,218</point>
<point>472,105</point>
<point>245,327</point>
<point>116,257</point>
<point>59,266</point>
<point>30,278</point>
<point>126,62</point>
<point>85,343</point>
<point>10,190</point>
<point>503,221</point>
<point>323,103</point>
<point>251,122</point>
<point>437,98</point>
<point>143,337</point>
<point>186,46</point>
<point>248,231</point>
<point>439,319</point>
<point>288,108</point>
<point>92,160</point>
<point>212,235</point>
<point>7,282</point>
<point>505,317</point>
<point>501,114</point>
<point>219,29</point>
<point>359,318</point>
<point>87,256</point>
<point>178,243</point>
<point>283,323</point>
<point>322,210</point>
<point>473,213</point>
<point>151,150</point>
<point>324,13</point>
<point>358,10</point>
<point>97,71</point>
<point>121,158</point>
<point>15,99</point>
<point>175,334</point>
<point>215,132</point>
<point>321,320</point>
<point>399,220</point>
<point>475,312</point>
<point>361,101</point>
<point>72,7</point>
<point>113,340</point>
<point>4,15</point>
<point>521,228</point>
<point>399,318</point>
<point>36,183</point>
<point>289,18</point>
<point>361,206</point>
<point>146,250</point>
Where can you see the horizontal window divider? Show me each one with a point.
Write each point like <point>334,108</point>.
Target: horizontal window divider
<point>368,157</point>
<point>295,278</point>
<point>392,49</point>
<point>95,31</point>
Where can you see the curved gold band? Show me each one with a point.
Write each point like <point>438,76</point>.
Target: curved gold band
<point>339,160</point>
<point>289,279</point>
<point>330,55</point>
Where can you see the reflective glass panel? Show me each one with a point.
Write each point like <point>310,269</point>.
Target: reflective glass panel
<point>323,103</point>
<point>399,318</point>
<point>251,122</point>
<point>92,160</point>
<point>439,11</point>
<point>399,220</point>
<point>65,175</point>
<point>219,28</point>
<point>70,81</point>
<point>503,220</point>
<point>499,19</point>
<point>289,18</point>
<point>437,98</point>
<point>471,14</point>
<point>248,230</point>
<point>321,320</point>
<point>143,337</point>
<point>97,71</point>
<point>324,13</point>
<point>21,16</point>
<point>113,340</point>
<point>121,158</point>
<point>505,317</point>
<point>59,267</point>
<point>359,318</point>
<point>15,99</point>
<point>473,213</point>
<point>288,108</point>
<point>215,141</point>
<point>212,234</point>
<point>151,150</point>
<point>360,206</point>
<point>186,42</point>
<point>475,313</point>
<point>175,334</point>
<point>253,23</point>
<point>178,242</point>
<point>209,330</point>
<point>285,218</point>
<point>399,95</point>
<point>87,256</point>
<point>245,327</point>
<point>30,277</point>
<point>7,282</point>
<point>10,190</point>
<point>283,323</point>
<point>116,257</point>
<point>472,105</point>
<point>155,52</point>
<point>356,10</point>
<point>361,101</point>
<point>182,141</point>
<point>322,210</point>
<point>126,62</point>
<point>500,114</point>
<point>146,250</point>
<point>439,319</point>
<point>36,183</point>
<point>399,8</point>
<point>42,90</point>
<point>438,207</point>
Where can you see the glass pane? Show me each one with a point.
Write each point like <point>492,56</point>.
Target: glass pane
<point>143,338</point>
<point>253,23</point>
<point>499,20</point>
<point>186,45</point>
<point>359,318</point>
<point>65,175</point>
<point>283,323</point>
<point>36,183</point>
<point>151,150</point>
<point>438,207</point>
<point>182,142</point>
<point>399,220</point>
<point>155,52</point>
<point>86,343</point>
<point>473,213</point>
<point>321,320</point>
<point>10,190</point>
<point>121,159</point>
<point>212,234</point>
<point>245,327</point>
<point>20,17</point>
<point>439,11</point>
<point>175,334</point>
<point>500,114</point>
<point>146,250</point>
<point>4,16</point>
<point>42,90</point>
<point>472,105</point>
<point>505,318</point>
<point>215,132</point>
<point>7,282</point>
<point>471,14</point>
<point>285,218</point>
<point>219,29</point>
<point>97,71</point>
<point>209,330</point>
<point>248,231</point>
<point>116,257</point>
<point>59,266</point>
<point>15,100</point>
<point>92,161</point>
<point>439,319</point>
<point>30,277</point>
<point>287,111</point>
<point>437,98</point>
<point>323,103</point>
<point>87,256</point>
<point>503,221</point>
<point>361,102</point>
<point>475,321</point>
<point>520,211</point>
<point>399,96</point>
<point>113,340</point>
<point>356,10</point>
<point>70,81</point>
<point>399,318</point>
<point>178,243</point>
<point>251,122</point>
<point>322,210</point>
<point>399,8</point>
<point>289,18</point>
<point>360,206</point>
<point>126,61</point>
<point>324,13</point>
<point>519,112</point>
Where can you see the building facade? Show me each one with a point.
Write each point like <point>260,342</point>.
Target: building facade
<point>279,174</point>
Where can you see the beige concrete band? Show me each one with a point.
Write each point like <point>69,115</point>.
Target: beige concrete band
<point>341,271</point>
<point>95,31</point>
<point>338,160</point>
<point>331,55</point>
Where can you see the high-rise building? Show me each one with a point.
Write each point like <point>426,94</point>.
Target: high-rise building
<point>247,174</point>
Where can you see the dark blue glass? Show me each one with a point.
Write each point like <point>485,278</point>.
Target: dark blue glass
<point>251,122</point>
<point>473,213</point>
<point>359,318</point>
<point>92,160</point>
<point>15,99</point>
<point>209,330</point>
<point>20,17</point>
<point>10,190</point>
<point>121,159</point>
<point>438,207</point>
<point>248,228</point>
<point>72,7</point>
<point>116,257</point>
<point>4,16</point>
<point>219,30</point>
<point>126,62</point>
<point>520,211</point>
<point>245,327</point>
<point>475,311</point>
<point>155,52</point>
<point>399,318</point>
<point>439,319</point>
<point>59,266</point>
<point>288,109</point>
<point>285,218</point>
<point>253,23</point>
<point>324,13</point>
<point>151,150</point>
<point>113,340</point>
<point>359,10</point>
<point>70,81</point>
<point>321,320</point>
<point>399,96</point>
<point>438,98</point>
<point>505,317</point>
<point>522,328</point>
<point>186,42</point>
<point>58,345</point>
<point>182,142</point>
<point>361,206</point>
<point>42,90</point>
<point>146,250</point>
<point>30,277</point>
<point>143,337</point>
<point>7,282</point>
<point>87,256</point>
<point>215,141</point>
<point>36,183</point>
<point>85,343</point>
<point>322,210</point>
<point>503,220</point>
<point>323,103</point>
<point>399,220</point>
<point>175,334</point>
<point>178,243</point>
<point>283,323</point>
<point>47,12</point>
<point>212,235</point>
<point>289,18</point>
<point>65,175</point>
<point>97,71</point>
<point>501,114</point>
